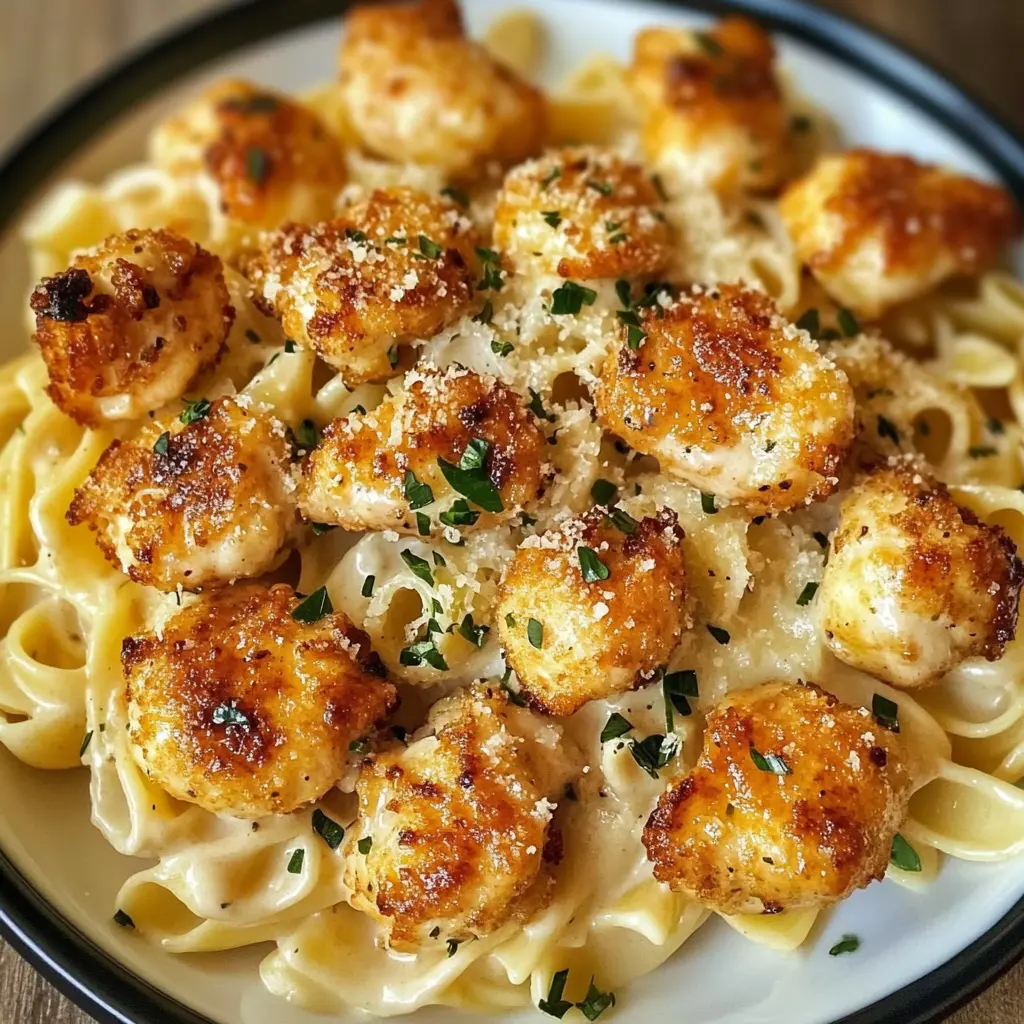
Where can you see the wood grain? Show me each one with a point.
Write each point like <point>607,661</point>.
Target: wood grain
<point>60,43</point>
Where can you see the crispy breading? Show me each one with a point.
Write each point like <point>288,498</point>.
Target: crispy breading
<point>238,707</point>
<point>915,583</point>
<point>460,823</point>
<point>731,398</point>
<point>130,324</point>
<point>193,505</point>
<point>712,105</point>
<point>417,89</point>
<point>804,826</point>
<point>395,267</point>
<point>359,475</point>
<point>582,212</point>
<point>601,637</point>
<point>878,228</point>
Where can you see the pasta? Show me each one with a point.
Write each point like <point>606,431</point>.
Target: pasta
<point>414,544</point>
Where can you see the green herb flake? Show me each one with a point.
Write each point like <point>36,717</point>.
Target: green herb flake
<point>821,538</point>
<point>229,714</point>
<point>485,316</point>
<point>801,123</point>
<point>810,322</point>
<point>364,845</point>
<point>368,583</point>
<point>886,428</point>
<point>677,687</point>
<point>995,426</point>
<point>604,188</point>
<point>319,529</point>
<point>473,484</point>
<point>476,635</point>
<point>474,456</point>
<point>460,514</point>
<point>417,493</point>
<point>438,560</point>
<point>535,633</point>
<point>654,752</point>
<point>570,298</point>
<point>160,446</point>
<point>422,524</point>
<point>295,861</point>
<point>195,410</point>
<point>452,945</point>
<point>314,607</point>
<point>624,291</point>
<point>327,829</point>
<point>361,745</point>
<point>121,918</point>
<point>708,43</point>
<point>593,569</point>
<point>419,567</point>
<point>501,348</point>
<point>721,635</point>
<point>886,712</point>
<point>848,323</point>
<point>623,521</point>
<point>847,944</point>
<point>457,195</point>
<point>86,740</point>
<point>555,1005</point>
<point>492,270</point>
<point>616,726</point>
<point>903,855</point>
<point>393,356</point>
<point>774,763</point>
<point>707,504</point>
<point>595,1002</point>
<point>429,248</point>
<point>305,436</point>
<point>552,217</point>
<point>807,594</point>
<point>536,406</point>
<point>603,492</point>
<point>425,651</point>
<point>552,175</point>
<point>257,165</point>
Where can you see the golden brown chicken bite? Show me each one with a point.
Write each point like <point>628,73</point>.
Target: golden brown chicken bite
<point>204,498</point>
<point>263,158</point>
<point>793,803</point>
<point>915,583</point>
<point>712,106</point>
<point>729,397</point>
<point>460,823</point>
<point>129,325</point>
<point>582,213</point>
<point>877,228</point>
<point>417,89</point>
<point>593,607</point>
<point>452,448</point>
<point>244,707</point>
<point>396,267</point>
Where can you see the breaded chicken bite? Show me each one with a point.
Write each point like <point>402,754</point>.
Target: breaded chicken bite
<point>416,89</point>
<point>915,583</point>
<point>396,267</point>
<point>243,707</point>
<point>261,157</point>
<point>454,836</point>
<point>451,449</point>
<point>582,213</point>
<point>593,608</point>
<point>202,499</point>
<point>712,106</point>
<point>793,803</point>
<point>129,325</point>
<point>729,397</point>
<point>877,229</point>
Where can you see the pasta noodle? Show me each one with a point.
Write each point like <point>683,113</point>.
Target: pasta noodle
<point>220,882</point>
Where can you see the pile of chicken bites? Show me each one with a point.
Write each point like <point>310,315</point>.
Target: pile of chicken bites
<point>254,700</point>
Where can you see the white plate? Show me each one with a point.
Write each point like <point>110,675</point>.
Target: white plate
<point>45,831</point>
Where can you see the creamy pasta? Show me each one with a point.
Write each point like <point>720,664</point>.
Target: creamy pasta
<point>385,569</point>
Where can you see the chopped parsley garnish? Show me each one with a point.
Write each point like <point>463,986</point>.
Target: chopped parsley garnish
<point>86,740</point>
<point>365,845</point>
<point>160,446</point>
<point>422,524</point>
<point>355,235</point>
<point>677,687</point>
<point>327,829</point>
<point>306,435</point>
<point>513,695</point>
<point>435,931</point>
<point>429,248</point>
<point>501,348</point>
<point>290,347</point>
<point>708,43</point>
<point>360,745</point>
<point>654,752</point>
<point>570,298</point>
<point>423,651</point>
<point>995,426</point>
<point>535,633</point>
<point>361,409</point>
<point>196,410</point>
<point>474,456</point>
<point>552,175</point>
<point>295,861</point>
<point>821,538</point>
<point>847,944</point>
<point>485,316</point>
<point>886,428</point>
<point>616,726</point>
<point>623,521</point>
<point>595,1002</point>
<point>470,478</point>
<point>886,712</point>
<point>603,187</point>
<point>395,240</point>
<point>593,569</point>
<point>635,333</point>
<point>625,292</point>
<point>393,356</point>
<point>460,514</point>
<point>456,195</point>
<point>903,855</point>
<point>452,946</point>
<point>368,583</point>
<point>536,406</point>
<point>476,635</point>
<point>419,567</point>
<point>603,492</point>
<point>229,714</point>
<point>257,165</point>
<point>707,504</point>
<point>810,322</point>
<point>314,607</point>
<point>121,918</point>
<point>774,763</point>
<point>770,445</point>
<point>981,451</point>
<point>848,323</point>
<point>510,620</point>
<point>492,270</point>
<point>800,123</point>
<point>721,635</point>
<point>417,493</point>
<point>807,594</point>
<point>552,217</point>
<point>555,1005</point>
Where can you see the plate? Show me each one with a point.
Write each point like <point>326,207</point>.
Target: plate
<point>922,954</point>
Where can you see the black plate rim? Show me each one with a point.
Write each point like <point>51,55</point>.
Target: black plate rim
<point>68,959</point>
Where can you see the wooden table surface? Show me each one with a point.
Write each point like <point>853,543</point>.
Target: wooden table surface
<point>53,45</point>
